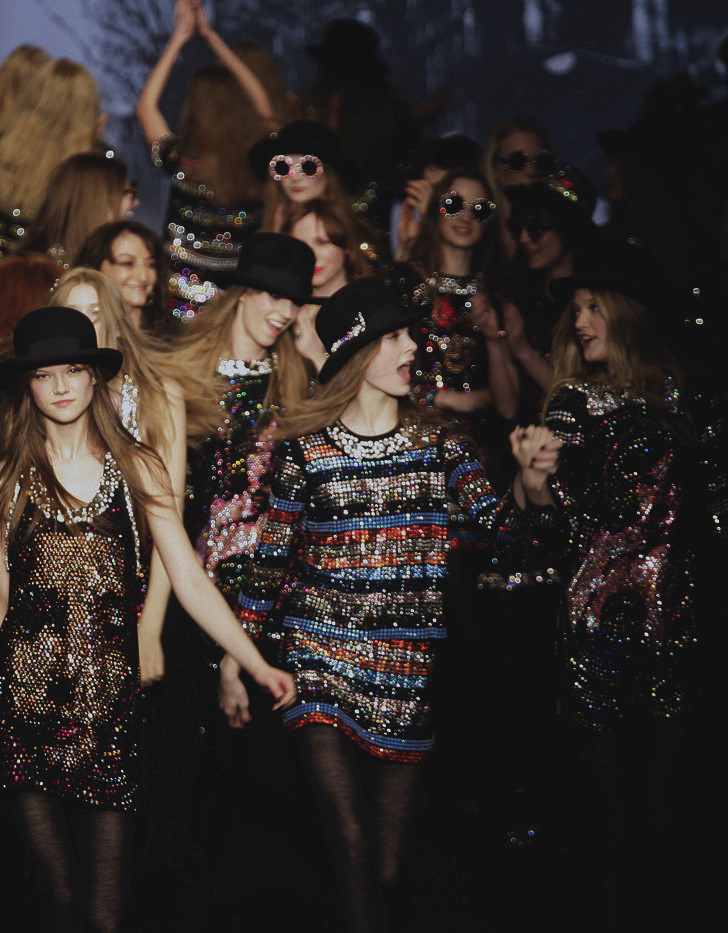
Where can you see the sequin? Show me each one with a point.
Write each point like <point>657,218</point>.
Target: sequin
<point>68,651</point>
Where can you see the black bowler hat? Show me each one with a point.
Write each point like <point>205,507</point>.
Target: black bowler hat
<point>627,270</point>
<point>349,49</point>
<point>308,138</point>
<point>357,315</point>
<point>276,263</point>
<point>50,336</point>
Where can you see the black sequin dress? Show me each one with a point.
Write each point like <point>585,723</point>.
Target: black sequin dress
<point>627,485</point>
<point>69,659</point>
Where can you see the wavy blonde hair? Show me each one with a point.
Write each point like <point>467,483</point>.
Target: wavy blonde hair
<point>636,359</point>
<point>208,339</point>
<point>149,363</point>
<point>55,115</point>
<point>15,71</point>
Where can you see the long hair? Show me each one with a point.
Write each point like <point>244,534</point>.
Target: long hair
<point>98,246</point>
<point>636,359</point>
<point>342,227</point>
<point>55,115</point>
<point>219,125</point>
<point>208,339</point>
<point>148,363</point>
<point>426,252</point>
<point>84,191</point>
<point>16,70</point>
<point>23,445</point>
<point>330,400</point>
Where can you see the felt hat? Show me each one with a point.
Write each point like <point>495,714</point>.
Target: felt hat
<point>276,263</point>
<point>357,315</point>
<point>50,336</point>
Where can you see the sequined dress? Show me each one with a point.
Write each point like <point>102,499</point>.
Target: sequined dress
<point>203,237</point>
<point>228,477</point>
<point>626,484</point>
<point>354,554</point>
<point>69,660</point>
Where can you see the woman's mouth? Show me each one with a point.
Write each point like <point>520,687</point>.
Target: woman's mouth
<point>404,372</point>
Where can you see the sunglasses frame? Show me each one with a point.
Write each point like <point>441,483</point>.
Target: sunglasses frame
<point>545,156</point>
<point>470,205</point>
<point>295,166</point>
<point>531,225</point>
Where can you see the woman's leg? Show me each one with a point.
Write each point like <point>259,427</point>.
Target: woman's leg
<point>43,830</point>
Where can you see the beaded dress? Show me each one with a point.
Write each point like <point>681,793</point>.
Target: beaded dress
<point>203,237</point>
<point>354,553</point>
<point>627,485</point>
<point>228,477</point>
<point>69,659</point>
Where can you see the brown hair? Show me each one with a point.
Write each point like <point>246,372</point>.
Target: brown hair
<point>84,192</point>
<point>16,70</point>
<point>25,283</point>
<point>97,247</point>
<point>342,227</point>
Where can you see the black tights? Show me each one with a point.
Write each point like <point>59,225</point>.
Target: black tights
<point>81,861</point>
<point>365,805</point>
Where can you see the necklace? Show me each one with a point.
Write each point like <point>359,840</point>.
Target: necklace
<point>110,479</point>
<point>370,448</point>
<point>231,368</point>
<point>454,284</point>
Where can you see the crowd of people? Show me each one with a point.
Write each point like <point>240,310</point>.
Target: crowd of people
<point>367,395</point>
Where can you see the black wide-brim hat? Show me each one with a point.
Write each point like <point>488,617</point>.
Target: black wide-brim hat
<point>306,138</point>
<point>357,315</point>
<point>275,263</point>
<point>349,49</point>
<point>627,270</point>
<point>567,190</point>
<point>51,336</point>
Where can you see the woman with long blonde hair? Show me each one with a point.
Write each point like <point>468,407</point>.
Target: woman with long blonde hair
<point>148,394</point>
<point>56,115</point>
<point>358,532</point>
<point>77,492</point>
<point>16,70</point>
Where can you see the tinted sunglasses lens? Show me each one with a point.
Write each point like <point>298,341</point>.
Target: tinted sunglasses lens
<point>451,204</point>
<point>533,228</point>
<point>516,161</point>
<point>482,210</point>
<point>279,167</point>
<point>311,166</point>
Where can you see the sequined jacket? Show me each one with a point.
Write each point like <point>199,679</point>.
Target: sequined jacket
<point>359,529</point>
<point>627,486</point>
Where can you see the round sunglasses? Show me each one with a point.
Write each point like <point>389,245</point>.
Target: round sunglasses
<point>453,204</point>
<point>517,161</point>
<point>281,166</point>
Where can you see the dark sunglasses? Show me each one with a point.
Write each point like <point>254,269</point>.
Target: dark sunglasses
<point>281,166</point>
<point>453,204</point>
<point>533,227</point>
<point>543,163</point>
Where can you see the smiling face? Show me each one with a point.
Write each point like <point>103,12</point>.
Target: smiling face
<point>545,250</point>
<point>590,326</point>
<point>463,230</point>
<point>261,319</point>
<point>84,298</point>
<point>62,393</point>
<point>133,269</point>
<point>299,187</point>
<point>389,370</point>
<point>330,270</point>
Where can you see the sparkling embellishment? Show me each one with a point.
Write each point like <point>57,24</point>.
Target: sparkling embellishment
<point>360,325</point>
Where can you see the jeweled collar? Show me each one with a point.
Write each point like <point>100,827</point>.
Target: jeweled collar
<point>231,368</point>
<point>378,447</point>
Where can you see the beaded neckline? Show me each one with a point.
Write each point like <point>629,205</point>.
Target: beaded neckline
<point>370,448</point>
<point>455,284</point>
<point>245,367</point>
<point>110,479</point>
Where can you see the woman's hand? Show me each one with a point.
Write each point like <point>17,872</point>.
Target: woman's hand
<point>151,655</point>
<point>202,23</point>
<point>232,695</point>
<point>306,338</point>
<point>418,194</point>
<point>485,317</point>
<point>515,328</point>
<point>278,683</point>
<point>536,450</point>
<point>185,23</point>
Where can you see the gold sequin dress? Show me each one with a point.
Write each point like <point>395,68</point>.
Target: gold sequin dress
<point>69,664</point>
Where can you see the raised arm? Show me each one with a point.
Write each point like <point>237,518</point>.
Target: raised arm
<point>152,121</point>
<point>239,70</point>
<point>202,601</point>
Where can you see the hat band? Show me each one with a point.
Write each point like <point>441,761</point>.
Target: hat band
<point>358,327</point>
<point>54,346</point>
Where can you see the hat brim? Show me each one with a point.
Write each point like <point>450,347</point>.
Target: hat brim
<point>601,280</point>
<point>388,318</point>
<point>229,279</point>
<point>108,362</point>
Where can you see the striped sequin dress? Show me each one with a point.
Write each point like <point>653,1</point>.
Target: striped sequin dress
<point>352,560</point>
